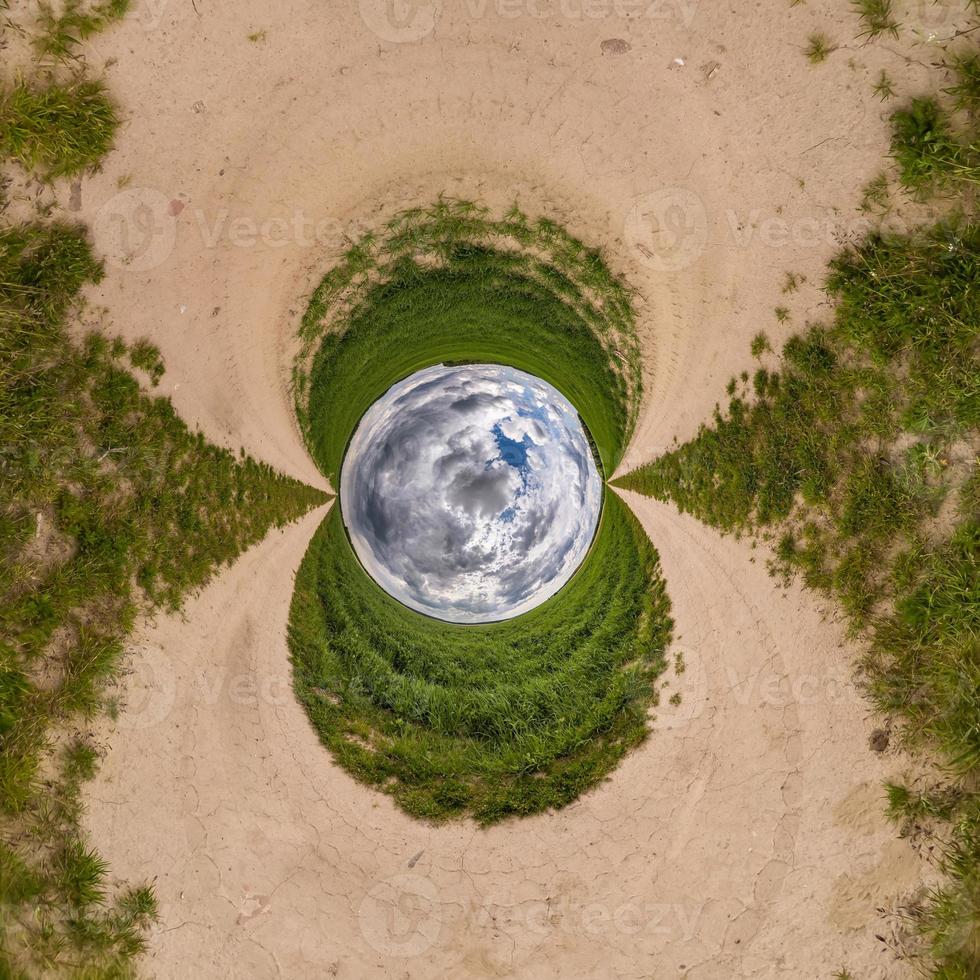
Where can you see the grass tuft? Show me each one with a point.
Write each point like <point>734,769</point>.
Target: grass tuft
<point>60,130</point>
<point>877,18</point>
<point>146,356</point>
<point>75,21</point>
<point>875,196</point>
<point>928,152</point>
<point>818,48</point>
<point>884,87</point>
<point>965,92</point>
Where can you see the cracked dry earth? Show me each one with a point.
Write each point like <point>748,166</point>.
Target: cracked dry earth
<point>745,838</point>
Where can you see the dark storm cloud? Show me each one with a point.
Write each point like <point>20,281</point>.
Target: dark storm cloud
<point>470,493</point>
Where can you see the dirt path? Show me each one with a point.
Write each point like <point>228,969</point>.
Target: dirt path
<point>704,154</point>
<point>749,816</point>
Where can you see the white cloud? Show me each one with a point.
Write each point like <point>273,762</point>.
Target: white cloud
<point>470,492</point>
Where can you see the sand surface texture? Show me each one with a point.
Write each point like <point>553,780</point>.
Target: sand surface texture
<point>695,144</point>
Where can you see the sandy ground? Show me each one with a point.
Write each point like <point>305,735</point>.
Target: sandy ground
<point>697,146</point>
<point>743,840</point>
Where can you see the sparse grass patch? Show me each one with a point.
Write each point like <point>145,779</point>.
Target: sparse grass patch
<point>108,504</point>
<point>875,197</point>
<point>843,455</point>
<point>965,92</point>
<point>74,21</point>
<point>860,460</point>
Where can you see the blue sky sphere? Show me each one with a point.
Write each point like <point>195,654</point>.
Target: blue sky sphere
<point>470,493</point>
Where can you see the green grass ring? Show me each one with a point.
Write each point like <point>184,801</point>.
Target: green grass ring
<point>503,718</point>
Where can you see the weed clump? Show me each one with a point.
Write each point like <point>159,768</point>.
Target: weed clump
<point>926,149</point>
<point>59,130</point>
<point>932,152</point>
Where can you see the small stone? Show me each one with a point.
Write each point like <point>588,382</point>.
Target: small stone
<point>614,45</point>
